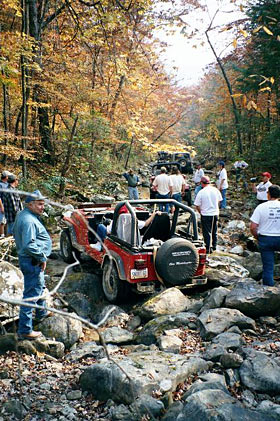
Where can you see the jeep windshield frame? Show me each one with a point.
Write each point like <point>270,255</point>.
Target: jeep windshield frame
<point>178,206</point>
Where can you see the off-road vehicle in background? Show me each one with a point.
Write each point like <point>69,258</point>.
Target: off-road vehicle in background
<point>166,253</point>
<point>182,160</point>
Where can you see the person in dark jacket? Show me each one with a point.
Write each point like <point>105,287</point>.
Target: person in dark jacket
<point>11,202</point>
<point>132,182</point>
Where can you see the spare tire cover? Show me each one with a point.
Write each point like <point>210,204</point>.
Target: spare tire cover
<point>176,261</point>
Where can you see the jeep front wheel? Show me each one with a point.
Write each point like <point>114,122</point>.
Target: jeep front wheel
<point>66,248</point>
<point>115,289</point>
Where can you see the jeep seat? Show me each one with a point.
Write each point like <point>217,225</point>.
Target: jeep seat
<point>124,229</point>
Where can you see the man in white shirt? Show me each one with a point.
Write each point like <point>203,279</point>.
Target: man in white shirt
<point>207,204</point>
<point>222,183</point>
<point>179,184</point>
<point>265,227</point>
<point>163,185</point>
<point>240,167</point>
<point>199,173</point>
<point>262,188</point>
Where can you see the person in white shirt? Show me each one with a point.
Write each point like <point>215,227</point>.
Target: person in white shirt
<point>163,185</point>
<point>240,167</point>
<point>265,227</point>
<point>178,181</point>
<point>262,188</point>
<point>207,204</point>
<point>222,183</point>
<point>199,173</point>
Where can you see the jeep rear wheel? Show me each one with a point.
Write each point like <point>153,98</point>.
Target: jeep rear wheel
<point>66,248</point>
<point>176,261</point>
<point>183,163</point>
<point>115,289</point>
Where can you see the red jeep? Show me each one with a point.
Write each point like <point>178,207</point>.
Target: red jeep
<point>167,252</point>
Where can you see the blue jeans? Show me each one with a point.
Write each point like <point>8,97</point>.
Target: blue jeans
<point>163,207</point>
<point>177,196</point>
<point>34,284</point>
<point>101,232</point>
<point>10,226</point>
<point>224,201</point>
<point>268,245</point>
<point>133,193</point>
<point>196,190</point>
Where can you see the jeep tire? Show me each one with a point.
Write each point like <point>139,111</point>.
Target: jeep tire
<point>176,261</point>
<point>114,288</point>
<point>66,248</point>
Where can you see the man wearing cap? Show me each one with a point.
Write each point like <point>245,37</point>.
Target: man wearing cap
<point>132,181</point>
<point>3,186</point>
<point>33,246</point>
<point>207,204</point>
<point>262,188</point>
<point>11,202</point>
<point>222,183</point>
<point>265,227</point>
<point>199,173</point>
<point>164,188</point>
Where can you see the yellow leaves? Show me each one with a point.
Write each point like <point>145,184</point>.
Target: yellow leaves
<point>236,95</point>
<point>244,33</point>
<point>252,105</point>
<point>234,43</point>
<point>267,30</point>
<point>257,29</point>
<point>267,88</point>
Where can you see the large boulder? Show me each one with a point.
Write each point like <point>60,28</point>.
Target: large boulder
<point>261,373</point>
<point>170,301</point>
<point>64,329</point>
<point>227,341</point>
<point>139,373</point>
<point>253,299</point>
<point>215,298</point>
<point>11,286</point>
<point>215,321</point>
<point>152,330</point>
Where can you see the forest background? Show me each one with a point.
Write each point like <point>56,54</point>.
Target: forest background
<point>84,93</point>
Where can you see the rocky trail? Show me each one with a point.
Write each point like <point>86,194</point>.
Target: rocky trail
<point>208,353</point>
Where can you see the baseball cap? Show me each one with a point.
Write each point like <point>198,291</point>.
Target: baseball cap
<point>266,174</point>
<point>36,195</point>
<point>12,178</point>
<point>5,174</point>
<point>221,163</point>
<point>205,180</point>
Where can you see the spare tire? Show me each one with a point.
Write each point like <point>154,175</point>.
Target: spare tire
<point>176,261</point>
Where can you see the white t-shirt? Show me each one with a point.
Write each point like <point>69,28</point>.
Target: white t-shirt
<point>240,164</point>
<point>178,181</point>
<point>208,200</point>
<point>267,216</point>
<point>222,176</point>
<point>262,190</point>
<point>197,175</point>
<point>163,183</point>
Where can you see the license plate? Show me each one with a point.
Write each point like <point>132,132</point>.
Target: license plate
<point>137,274</point>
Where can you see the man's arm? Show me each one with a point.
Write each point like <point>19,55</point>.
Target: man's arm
<point>198,209</point>
<point>254,229</point>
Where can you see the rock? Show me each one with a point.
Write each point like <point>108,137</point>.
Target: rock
<point>253,299</point>
<point>147,406</point>
<point>271,321</point>
<point>205,385</point>
<point>146,370</point>
<point>170,301</point>
<point>86,349</point>
<point>133,322</point>
<point>102,198</point>
<point>237,250</point>
<point>232,377</point>
<point>228,264</point>
<point>215,298</point>
<point>155,328</point>
<point>74,395</point>
<point>15,408</point>
<point>214,405</point>
<point>235,225</point>
<point>170,344</point>
<point>231,360</point>
<point>117,335</point>
<point>253,263</point>
<point>222,343</point>
<point>118,317</point>
<point>215,321</point>
<point>248,398</point>
<point>11,286</point>
<point>173,411</point>
<point>121,413</point>
<point>7,343</point>
<point>260,373</point>
<point>84,283</point>
<point>63,329</point>
<point>80,304</point>
<point>269,407</point>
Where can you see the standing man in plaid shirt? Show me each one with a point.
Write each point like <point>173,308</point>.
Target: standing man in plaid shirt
<point>12,203</point>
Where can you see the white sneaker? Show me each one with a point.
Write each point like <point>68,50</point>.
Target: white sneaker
<point>2,236</point>
<point>96,246</point>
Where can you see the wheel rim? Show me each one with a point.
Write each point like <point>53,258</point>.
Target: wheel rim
<point>109,281</point>
<point>65,246</point>
<point>183,163</point>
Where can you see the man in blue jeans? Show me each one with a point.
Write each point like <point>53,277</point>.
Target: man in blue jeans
<point>132,182</point>
<point>265,227</point>
<point>33,246</point>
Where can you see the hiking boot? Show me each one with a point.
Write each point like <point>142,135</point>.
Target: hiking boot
<point>30,336</point>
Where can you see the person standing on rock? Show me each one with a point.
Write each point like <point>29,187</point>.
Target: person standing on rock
<point>11,202</point>
<point>199,173</point>
<point>207,204</point>
<point>262,188</point>
<point>33,246</point>
<point>164,188</point>
<point>222,183</point>
<point>3,186</point>
<point>265,227</point>
<point>179,185</point>
<point>132,182</point>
